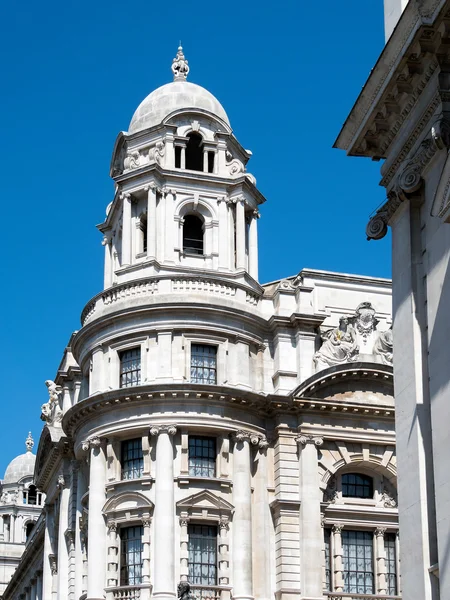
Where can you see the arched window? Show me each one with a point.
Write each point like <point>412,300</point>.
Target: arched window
<point>32,495</point>
<point>194,152</point>
<point>193,235</point>
<point>28,530</point>
<point>357,485</point>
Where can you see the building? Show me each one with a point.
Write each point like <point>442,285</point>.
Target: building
<point>402,117</point>
<point>20,506</point>
<point>203,427</point>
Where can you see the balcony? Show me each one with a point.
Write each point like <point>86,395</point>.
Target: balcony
<point>347,596</point>
<point>210,592</point>
<point>129,592</point>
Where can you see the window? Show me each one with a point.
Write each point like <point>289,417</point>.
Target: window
<point>193,235</point>
<point>31,496</point>
<point>391,563</point>
<point>194,152</point>
<point>202,554</point>
<point>28,530</point>
<point>358,562</point>
<point>131,555</point>
<point>203,364</point>
<point>202,456</point>
<point>211,162</point>
<point>355,485</point>
<point>327,535</point>
<point>132,459</point>
<point>143,233</point>
<point>130,367</point>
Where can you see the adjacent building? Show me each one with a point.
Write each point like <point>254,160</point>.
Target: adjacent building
<point>402,117</point>
<point>203,427</point>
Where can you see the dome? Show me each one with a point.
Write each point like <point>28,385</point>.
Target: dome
<point>179,94</point>
<point>21,466</point>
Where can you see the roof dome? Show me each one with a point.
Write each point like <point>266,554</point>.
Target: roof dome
<point>180,94</point>
<point>21,466</point>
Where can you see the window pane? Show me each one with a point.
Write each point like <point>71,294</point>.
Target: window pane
<point>358,562</point>
<point>327,536</point>
<point>132,459</point>
<point>202,456</point>
<point>130,367</point>
<point>203,364</point>
<point>391,563</point>
<point>202,548</point>
<point>131,555</point>
<point>355,485</point>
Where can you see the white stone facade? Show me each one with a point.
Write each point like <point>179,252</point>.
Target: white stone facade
<point>403,116</point>
<point>198,409</point>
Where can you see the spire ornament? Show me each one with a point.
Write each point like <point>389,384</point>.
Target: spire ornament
<point>180,67</point>
<point>29,442</point>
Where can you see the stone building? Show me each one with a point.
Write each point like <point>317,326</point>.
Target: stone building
<point>203,427</point>
<point>20,506</point>
<point>402,116</point>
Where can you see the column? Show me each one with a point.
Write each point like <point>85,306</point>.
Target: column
<point>39,586</point>
<point>63,555</point>
<point>67,402</point>
<point>242,520</point>
<point>169,225</point>
<point>47,572</point>
<point>151,222</point>
<point>146,523</point>
<point>113,555</point>
<point>96,379</point>
<point>107,277</point>
<point>81,490</point>
<point>253,245</point>
<point>310,525</point>
<point>183,157</point>
<point>164,514</point>
<point>338,564</point>
<point>12,528</point>
<point>2,532</point>
<point>224,553</point>
<point>380,556</point>
<point>205,161</point>
<point>96,523</point>
<point>261,525</point>
<point>126,230</point>
<point>240,234</point>
<point>184,547</point>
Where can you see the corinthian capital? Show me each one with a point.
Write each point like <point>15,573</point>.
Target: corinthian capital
<point>93,442</point>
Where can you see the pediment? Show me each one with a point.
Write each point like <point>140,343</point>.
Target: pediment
<point>126,502</point>
<point>205,500</point>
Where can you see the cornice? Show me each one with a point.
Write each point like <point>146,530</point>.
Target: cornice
<point>296,320</point>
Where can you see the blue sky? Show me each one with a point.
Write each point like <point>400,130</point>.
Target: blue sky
<point>73,73</point>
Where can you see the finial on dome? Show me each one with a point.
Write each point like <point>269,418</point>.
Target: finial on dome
<point>29,442</point>
<point>180,67</point>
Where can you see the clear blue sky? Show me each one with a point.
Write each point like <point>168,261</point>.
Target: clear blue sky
<point>73,73</point>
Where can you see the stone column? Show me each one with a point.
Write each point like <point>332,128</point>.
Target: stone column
<point>261,527</point>
<point>380,556</point>
<point>151,222</point>
<point>205,161</point>
<point>96,523</point>
<point>81,490</point>
<point>253,246</point>
<point>113,555</point>
<point>97,379</point>
<point>2,531</point>
<point>224,261</point>
<point>63,555</point>
<point>184,547</point>
<point>169,225</point>
<point>146,523</point>
<point>164,514</point>
<point>47,573</point>
<point>242,520</point>
<point>12,527</point>
<point>338,563</point>
<point>67,402</point>
<point>240,234</point>
<point>107,276</point>
<point>311,529</point>
<point>126,230</point>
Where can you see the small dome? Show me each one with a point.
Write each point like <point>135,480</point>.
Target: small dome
<point>180,94</point>
<point>21,466</point>
<point>174,96</point>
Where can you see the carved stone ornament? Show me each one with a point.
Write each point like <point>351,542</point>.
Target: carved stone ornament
<point>112,526</point>
<point>29,442</point>
<point>93,442</point>
<point>132,161</point>
<point>157,429</point>
<point>52,559</point>
<point>364,319</point>
<point>380,531</point>
<point>339,346</point>
<point>309,439</point>
<point>337,528</point>
<point>180,67</point>
<point>156,153</point>
<point>387,499</point>
<point>234,165</point>
<point>61,483</point>
<point>256,439</point>
<point>184,591</point>
<point>330,494</point>
<point>384,347</point>
<point>51,411</point>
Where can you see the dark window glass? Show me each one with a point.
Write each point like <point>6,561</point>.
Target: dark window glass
<point>358,562</point>
<point>203,363</point>
<point>210,162</point>
<point>193,235</point>
<point>131,555</point>
<point>194,152</point>
<point>32,495</point>
<point>355,485</point>
<point>28,530</point>
<point>130,367</point>
<point>177,157</point>
<point>202,456</point>
<point>391,563</point>
<point>132,459</point>
<point>143,227</point>
<point>202,554</point>
<point>327,535</point>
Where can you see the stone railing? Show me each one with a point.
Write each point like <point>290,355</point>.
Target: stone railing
<point>128,290</point>
<point>206,592</point>
<point>348,596</point>
<point>128,592</point>
<point>212,286</point>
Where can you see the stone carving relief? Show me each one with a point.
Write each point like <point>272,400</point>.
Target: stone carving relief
<point>132,160</point>
<point>234,165</point>
<point>51,411</point>
<point>156,153</point>
<point>355,339</point>
<point>184,591</point>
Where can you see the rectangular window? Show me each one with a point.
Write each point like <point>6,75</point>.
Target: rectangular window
<point>132,459</point>
<point>358,562</point>
<point>130,367</point>
<point>327,535</point>
<point>203,364</point>
<point>202,456</point>
<point>131,555</point>
<point>202,554</point>
<point>391,563</point>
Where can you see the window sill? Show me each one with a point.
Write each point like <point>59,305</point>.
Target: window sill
<point>144,482</point>
<point>184,480</point>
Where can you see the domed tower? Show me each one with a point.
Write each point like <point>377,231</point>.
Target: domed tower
<point>20,505</point>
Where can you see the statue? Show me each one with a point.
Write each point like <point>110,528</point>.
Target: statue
<point>51,411</point>
<point>339,346</point>
<point>383,347</point>
<point>184,591</point>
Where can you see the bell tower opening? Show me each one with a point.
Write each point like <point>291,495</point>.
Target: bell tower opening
<point>194,152</point>
<point>193,235</point>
